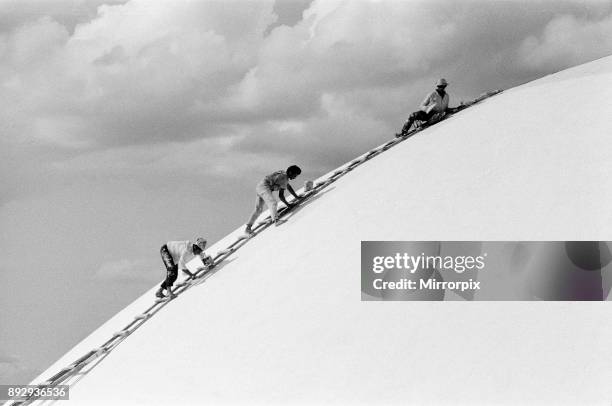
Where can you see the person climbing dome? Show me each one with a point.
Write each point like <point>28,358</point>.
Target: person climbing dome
<point>175,255</point>
<point>435,105</point>
<point>278,180</point>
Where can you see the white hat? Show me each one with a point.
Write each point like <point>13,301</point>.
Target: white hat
<point>442,82</point>
<point>200,242</point>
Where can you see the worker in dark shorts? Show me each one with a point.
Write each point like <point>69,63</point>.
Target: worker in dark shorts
<point>435,103</point>
<point>175,255</point>
<point>278,180</point>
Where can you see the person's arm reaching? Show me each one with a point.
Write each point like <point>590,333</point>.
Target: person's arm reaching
<point>182,266</point>
<point>290,189</point>
<point>281,196</point>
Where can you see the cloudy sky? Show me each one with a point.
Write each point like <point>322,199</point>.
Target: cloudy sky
<point>127,123</point>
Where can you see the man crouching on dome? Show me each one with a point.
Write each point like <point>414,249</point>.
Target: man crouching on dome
<point>175,255</point>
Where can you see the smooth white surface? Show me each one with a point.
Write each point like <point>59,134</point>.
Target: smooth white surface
<point>282,320</point>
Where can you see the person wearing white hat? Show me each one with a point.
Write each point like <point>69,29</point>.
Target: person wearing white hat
<point>175,255</point>
<point>435,102</point>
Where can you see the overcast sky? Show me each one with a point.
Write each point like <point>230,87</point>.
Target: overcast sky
<point>124,124</point>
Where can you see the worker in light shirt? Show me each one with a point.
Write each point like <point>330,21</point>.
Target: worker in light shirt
<point>175,255</point>
<point>435,102</point>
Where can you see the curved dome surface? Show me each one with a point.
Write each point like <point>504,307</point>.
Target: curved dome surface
<point>281,321</point>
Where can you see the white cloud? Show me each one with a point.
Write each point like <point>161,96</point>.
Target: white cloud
<point>34,42</point>
<point>128,270</point>
<point>567,41</point>
<point>133,74</point>
<point>153,81</point>
<point>341,46</point>
<point>7,359</point>
<point>13,13</point>
<point>12,371</point>
<point>192,162</point>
